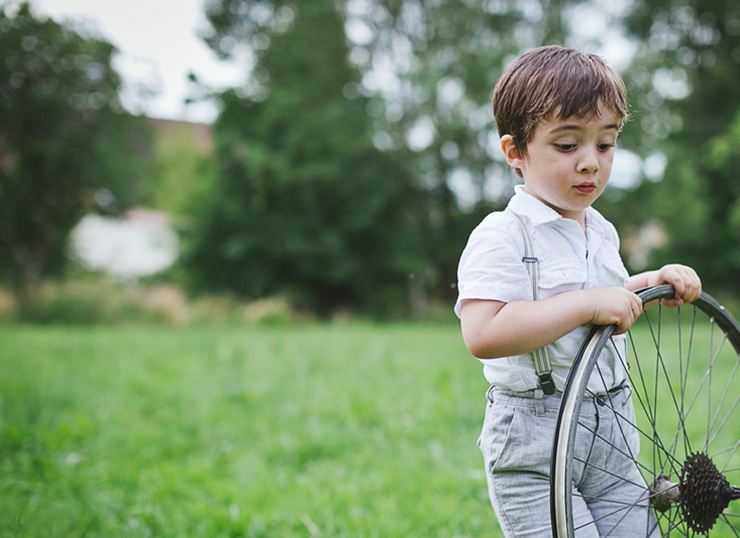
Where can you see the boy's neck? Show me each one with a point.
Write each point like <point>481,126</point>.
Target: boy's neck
<point>578,216</point>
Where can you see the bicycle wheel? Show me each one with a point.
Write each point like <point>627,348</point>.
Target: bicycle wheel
<point>683,377</point>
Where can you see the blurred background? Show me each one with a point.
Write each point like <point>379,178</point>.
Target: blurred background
<point>329,157</point>
<point>229,233</point>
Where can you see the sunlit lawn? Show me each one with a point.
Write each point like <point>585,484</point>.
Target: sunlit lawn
<point>318,430</point>
<point>352,430</point>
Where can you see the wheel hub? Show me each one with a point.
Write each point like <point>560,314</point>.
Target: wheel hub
<point>663,493</point>
<point>702,494</point>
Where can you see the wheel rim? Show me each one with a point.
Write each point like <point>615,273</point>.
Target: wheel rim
<point>685,383</point>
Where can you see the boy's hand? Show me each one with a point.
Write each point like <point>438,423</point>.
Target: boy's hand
<point>614,306</point>
<point>684,279</point>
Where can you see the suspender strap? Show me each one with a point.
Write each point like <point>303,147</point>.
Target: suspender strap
<point>541,358</point>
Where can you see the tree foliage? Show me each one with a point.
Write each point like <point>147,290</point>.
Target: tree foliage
<point>326,79</point>
<point>304,204</point>
<point>181,173</point>
<point>63,134</point>
<point>429,68</point>
<point>685,86</point>
<point>416,76</point>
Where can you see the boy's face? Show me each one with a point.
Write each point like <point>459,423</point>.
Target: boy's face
<point>569,161</point>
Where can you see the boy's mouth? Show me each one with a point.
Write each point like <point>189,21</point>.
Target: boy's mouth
<point>586,188</point>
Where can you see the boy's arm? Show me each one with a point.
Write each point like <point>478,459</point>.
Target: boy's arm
<point>493,329</point>
<point>684,279</point>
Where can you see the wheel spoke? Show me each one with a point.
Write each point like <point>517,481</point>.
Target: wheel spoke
<point>627,508</point>
<point>604,500</point>
<point>721,403</point>
<point>660,362</point>
<point>642,397</point>
<point>707,375</point>
<point>682,379</point>
<point>734,449</point>
<point>732,527</point>
<point>610,405</point>
<point>724,421</point>
<point>709,391</point>
<point>623,479</point>
<point>657,441</point>
<point>680,428</point>
<point>653,415</point>
<point>685,377</point>
<point>626,513</point>
<point>656,341</point>
<point>602,438</point>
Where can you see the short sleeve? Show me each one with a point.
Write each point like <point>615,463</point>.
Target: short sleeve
<point>491,266</point>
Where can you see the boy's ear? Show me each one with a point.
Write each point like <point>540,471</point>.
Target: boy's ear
<point>511,153</point>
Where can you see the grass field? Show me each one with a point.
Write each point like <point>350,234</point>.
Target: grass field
<point>346,430</point>
<point>320,430</point>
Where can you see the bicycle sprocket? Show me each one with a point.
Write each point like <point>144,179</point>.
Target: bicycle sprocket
<point>705,492</point>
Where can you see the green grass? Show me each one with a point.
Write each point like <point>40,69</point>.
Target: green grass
<point>346,430</point>
<point>318,430</point>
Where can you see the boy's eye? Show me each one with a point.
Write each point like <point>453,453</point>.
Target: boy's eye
<point>565,147</point>
<point>605,147</point>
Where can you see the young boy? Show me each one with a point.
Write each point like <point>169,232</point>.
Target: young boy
<point>558,113</point>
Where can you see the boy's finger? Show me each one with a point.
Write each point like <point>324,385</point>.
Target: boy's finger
<point>679,286</point>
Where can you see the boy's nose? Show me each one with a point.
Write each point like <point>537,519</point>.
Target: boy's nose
<point>589,162</point>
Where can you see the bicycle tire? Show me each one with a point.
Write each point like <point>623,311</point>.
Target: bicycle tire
<point>693,455</point>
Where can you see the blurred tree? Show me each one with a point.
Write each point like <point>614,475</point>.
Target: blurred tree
<point>304,205</point>
<point>63,136</point>
<point>685,88</point>
<point>429,67</point>
<point>418,80</point>
<point>181,171</point>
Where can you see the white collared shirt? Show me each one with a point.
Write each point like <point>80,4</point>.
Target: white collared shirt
<point>491,268</point>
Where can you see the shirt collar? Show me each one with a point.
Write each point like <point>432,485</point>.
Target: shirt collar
<point>539,213</point>
<point>528,206</point>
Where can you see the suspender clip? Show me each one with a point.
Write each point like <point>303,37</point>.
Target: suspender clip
<point>546,382</point>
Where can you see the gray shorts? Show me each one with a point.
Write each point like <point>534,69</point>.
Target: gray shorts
<point>516,443</point>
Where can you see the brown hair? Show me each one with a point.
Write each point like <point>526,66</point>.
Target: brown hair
<point>554,80</point>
